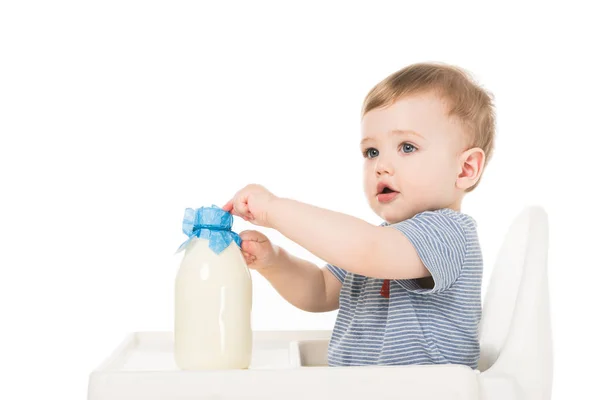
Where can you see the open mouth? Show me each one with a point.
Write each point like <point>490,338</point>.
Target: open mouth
<point>385,194</point>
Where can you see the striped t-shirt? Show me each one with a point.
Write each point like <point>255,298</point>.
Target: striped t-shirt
<point>415,325</point>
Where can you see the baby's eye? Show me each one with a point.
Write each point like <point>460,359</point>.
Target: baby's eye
<point>370,152</point>
<point>408,148</point>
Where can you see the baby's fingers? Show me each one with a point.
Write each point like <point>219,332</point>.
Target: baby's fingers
<point>229,206</point>
<point>253,235</point>
<point>250,246</point>
<point>237,207</point>
<point>249,258</point>
<point>240,208</point>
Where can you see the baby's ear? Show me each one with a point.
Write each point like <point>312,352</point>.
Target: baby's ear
<point>471,166</point>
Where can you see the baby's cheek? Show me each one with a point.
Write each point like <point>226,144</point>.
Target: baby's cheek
<point>422,187</point>
<point>368,183</point>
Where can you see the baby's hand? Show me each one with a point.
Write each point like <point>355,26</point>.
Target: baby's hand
<point>258,250</point>
<point>251,203</point>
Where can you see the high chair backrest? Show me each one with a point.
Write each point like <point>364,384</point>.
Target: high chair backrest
<point>515,331</point>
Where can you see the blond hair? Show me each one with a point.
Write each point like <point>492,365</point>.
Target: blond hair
<point>467,101</point>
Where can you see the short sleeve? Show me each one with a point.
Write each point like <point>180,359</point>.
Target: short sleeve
<point>338,272</point>
<point>440,242</point>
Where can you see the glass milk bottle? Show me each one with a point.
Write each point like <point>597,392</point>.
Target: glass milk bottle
<point>213,295</point>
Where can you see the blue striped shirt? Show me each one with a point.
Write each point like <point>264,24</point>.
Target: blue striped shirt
<point>416,325</point>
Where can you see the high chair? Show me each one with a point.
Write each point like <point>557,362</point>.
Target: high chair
<point>515,332</point>
<point>515,361</point>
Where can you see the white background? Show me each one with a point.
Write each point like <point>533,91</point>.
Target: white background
<point>116,116</point>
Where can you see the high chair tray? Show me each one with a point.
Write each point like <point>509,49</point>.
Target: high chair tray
<point>285,365</point>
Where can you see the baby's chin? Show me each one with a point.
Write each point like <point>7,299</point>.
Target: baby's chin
<point>390,215</point>
<point>392,221</point>
<point>394,213</point>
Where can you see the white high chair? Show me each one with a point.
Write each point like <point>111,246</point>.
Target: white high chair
<point>515,361</point>
<point>515,332</point>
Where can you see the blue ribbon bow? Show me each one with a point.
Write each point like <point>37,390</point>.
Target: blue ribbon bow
<point>212,223</point>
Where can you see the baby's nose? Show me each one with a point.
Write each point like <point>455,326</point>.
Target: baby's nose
<point>384,167</point>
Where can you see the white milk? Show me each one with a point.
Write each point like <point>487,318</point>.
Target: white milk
<point>213,303</point>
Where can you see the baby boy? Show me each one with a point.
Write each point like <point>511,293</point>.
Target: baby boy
<point>409,290</point>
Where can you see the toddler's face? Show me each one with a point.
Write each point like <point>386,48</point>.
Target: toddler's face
<point>413,148</point>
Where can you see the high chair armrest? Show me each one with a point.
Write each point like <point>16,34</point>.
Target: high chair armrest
<point>411,382</point>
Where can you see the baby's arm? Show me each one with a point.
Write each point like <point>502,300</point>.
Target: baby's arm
<point>303,283</point>
<point>347,242</point>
